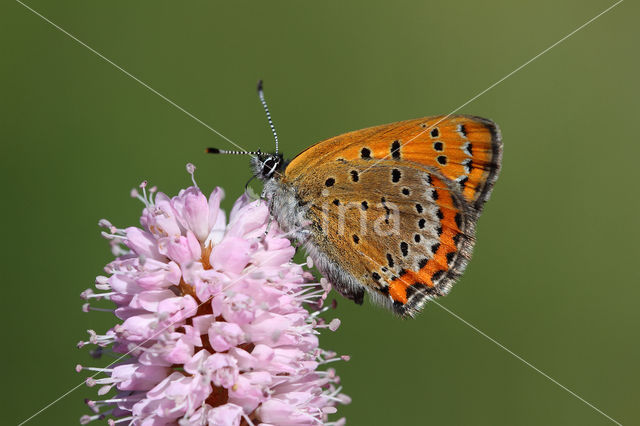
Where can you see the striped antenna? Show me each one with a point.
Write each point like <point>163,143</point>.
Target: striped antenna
<point>266,109</point>
<point>225,151</point>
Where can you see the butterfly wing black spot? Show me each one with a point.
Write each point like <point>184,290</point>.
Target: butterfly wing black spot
<point>450,256</point>
<point>436,275</point>
<point>458,219</point>
<point>395,150</point>
<point>462,181</point>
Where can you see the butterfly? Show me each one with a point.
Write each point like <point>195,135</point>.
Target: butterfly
<point>389,210</point>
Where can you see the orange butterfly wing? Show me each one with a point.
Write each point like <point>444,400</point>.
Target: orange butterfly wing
<point>465,149</point>
<point>449,164</point>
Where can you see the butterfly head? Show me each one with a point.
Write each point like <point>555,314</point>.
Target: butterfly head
<point>266,165</point>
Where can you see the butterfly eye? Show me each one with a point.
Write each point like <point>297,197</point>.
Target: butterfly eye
<point>269,165</point>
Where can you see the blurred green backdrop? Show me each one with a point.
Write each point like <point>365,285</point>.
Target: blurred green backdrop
<point>552,278</point>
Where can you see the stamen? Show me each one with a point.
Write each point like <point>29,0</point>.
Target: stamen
<point>143,185</point>
<point>122,420</point>
<point>88,419</point>
<point>104,223</point>
<point>191,169</point>
<point>112,236</point>
<point>334,324</point>
<point>247,419</point>
<point>80,368</point>
<point>87,307</point>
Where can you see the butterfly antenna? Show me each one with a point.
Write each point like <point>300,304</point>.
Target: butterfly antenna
<point>226,151</point>
<point>266,109</point>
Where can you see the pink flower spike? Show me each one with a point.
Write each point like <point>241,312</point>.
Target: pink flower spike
<point>210,320</point>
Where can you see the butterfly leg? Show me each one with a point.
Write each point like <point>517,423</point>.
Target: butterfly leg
<point>266,231</point>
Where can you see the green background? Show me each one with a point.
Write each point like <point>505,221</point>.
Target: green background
<point>553,278</point>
